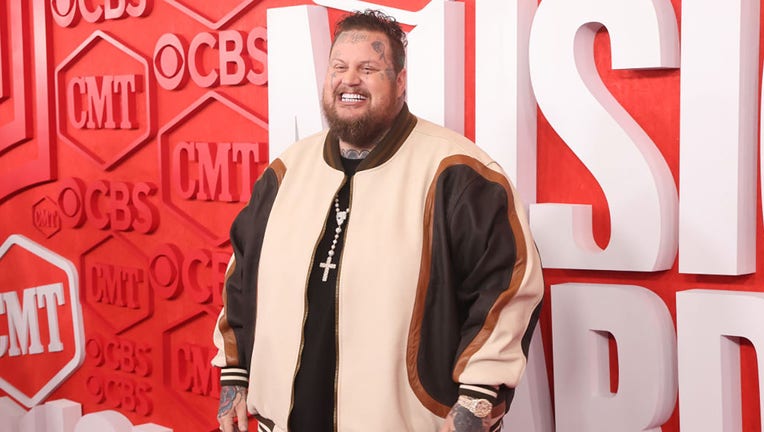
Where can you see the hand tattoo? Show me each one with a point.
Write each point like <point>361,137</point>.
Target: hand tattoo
<point>230,396</point>
<point>464,421</point>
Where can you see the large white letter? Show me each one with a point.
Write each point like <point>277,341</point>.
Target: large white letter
<point>582,316</point>
<point>436,64</point>
<point>56,416</point>
<point>11,413</point>
<point>717,161</point>
<point>298,54</point>
<point>505,108</point>
<point>531,410</point>
<point>709,324</point>
<point>634,177</point>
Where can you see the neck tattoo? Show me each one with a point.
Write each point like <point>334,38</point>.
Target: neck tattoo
<point>341,217</point>
<point>354,154</point>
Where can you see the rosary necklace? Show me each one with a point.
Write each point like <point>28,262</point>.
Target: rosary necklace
<point>341,217</point>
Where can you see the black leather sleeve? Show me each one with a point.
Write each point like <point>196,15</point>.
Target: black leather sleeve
<point>247,232</point>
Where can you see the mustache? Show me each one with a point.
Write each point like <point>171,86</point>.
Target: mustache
<point>359,91</point>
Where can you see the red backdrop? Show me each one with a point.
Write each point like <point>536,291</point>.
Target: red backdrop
<point>120,193</point>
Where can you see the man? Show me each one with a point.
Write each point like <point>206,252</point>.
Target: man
<point>384,277</point>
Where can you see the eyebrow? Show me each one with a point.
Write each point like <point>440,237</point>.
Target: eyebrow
<point>372,62</point>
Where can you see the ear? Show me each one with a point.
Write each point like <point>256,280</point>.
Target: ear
<point>400,83</point>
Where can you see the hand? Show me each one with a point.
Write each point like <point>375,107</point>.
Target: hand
<point>460,419</point>
<point>232,413</point>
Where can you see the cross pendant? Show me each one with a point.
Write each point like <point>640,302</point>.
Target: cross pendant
<point>327,266</point>
<point>341,216</point>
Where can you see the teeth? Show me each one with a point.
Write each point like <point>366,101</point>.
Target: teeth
<point>352,97</point>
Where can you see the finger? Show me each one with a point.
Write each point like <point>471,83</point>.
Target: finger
<point>241,415</point>
<point>226,424</point>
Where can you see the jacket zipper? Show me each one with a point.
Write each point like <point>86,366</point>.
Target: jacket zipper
<point>305,314</point>
<point>337,308</point>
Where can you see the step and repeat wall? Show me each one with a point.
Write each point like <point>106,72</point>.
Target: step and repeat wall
<point>132,131</point>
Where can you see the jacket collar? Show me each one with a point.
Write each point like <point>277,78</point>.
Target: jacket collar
<point>402,126</point>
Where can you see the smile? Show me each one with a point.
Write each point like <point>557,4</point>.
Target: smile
<point>352,97</point>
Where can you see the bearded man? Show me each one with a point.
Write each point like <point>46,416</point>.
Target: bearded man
<point>384,277</point>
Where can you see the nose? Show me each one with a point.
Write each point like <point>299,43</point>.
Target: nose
<point>351,77</point>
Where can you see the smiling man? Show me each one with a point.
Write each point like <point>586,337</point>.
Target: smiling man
<point>384,277</point>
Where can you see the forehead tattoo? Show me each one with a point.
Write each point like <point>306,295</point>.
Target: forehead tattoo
<point>352,37</point>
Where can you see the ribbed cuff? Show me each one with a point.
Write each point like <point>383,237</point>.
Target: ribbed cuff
<point>477,391</point>
<point>234,377</point>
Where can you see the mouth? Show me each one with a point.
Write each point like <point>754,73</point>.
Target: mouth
<point>352,97</point>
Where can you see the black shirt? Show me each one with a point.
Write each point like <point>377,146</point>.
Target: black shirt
<point>314,386</point>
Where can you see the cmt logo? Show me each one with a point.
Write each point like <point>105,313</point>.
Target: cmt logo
<point>104,106</point>
<point>193,372</point>
<point>41,330</point>
<point>110,101</point>
<point>23,322</point>
<point>116,285</point>
<point>46,217</point>
<point>25,95</point>
<point>188,376</point>
<point>215,165</point>
<point>202,167</point>
<point>117,291</point>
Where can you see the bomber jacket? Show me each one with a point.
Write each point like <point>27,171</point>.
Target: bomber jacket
<point>449,301</point>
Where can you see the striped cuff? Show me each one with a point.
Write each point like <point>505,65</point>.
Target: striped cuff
<point>234,377</point>
<point>476,391</point>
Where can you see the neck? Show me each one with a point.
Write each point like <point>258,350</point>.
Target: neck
<point>355,151</point>
<point>350,151</point>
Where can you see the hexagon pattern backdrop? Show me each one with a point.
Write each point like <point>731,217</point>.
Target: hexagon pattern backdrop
<point>117,160</point>
<point>131,132</point>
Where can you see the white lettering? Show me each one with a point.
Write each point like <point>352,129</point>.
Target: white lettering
<point>505,108</point>
<point>583,315</point>
<point>634,177</point>
<point>66,416</point>
<point>298,52</point>
<point>48,297</point>
<point>23,323</point>
<point>531,409</point>
<point>709,326</point>
<point>436,64</point>
<point>23,326</point>
<point>3,338</point>
<point>718,109</point>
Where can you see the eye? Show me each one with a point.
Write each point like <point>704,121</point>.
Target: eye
<point>340,68</point>
<point>368,70</point>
